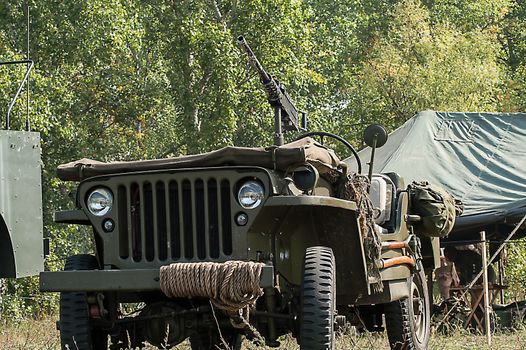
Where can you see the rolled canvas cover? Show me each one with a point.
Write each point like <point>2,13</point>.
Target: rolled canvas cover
<point>279,158</point>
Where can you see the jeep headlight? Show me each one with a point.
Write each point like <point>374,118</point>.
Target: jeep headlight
<point>100,201</point>
<point>250,194</point>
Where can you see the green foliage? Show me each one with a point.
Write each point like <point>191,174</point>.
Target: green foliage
<point>156,78</point>
<point>420,66</point>
<point>516,270</point>
<point>469,14</point>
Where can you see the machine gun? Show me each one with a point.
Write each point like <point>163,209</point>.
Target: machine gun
<point>285,112</point>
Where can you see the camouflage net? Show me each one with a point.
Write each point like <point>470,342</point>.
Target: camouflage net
<point>356,188</point>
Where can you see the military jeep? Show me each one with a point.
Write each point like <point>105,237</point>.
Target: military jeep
<point>243,242</point>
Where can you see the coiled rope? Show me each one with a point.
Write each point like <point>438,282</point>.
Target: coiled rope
<point>231,286</point>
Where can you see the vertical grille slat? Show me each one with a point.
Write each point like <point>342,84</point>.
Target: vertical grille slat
<point>167,219</point>
<point>149,211</point>
<point>200,219</point>
<point>192,232</point>
<point>135,195</point>
<point>123,219</point>
<point>129,220</point>
<point>212,219</point>
<point>206,224</point>
<point>175,219</point>
<point>161,225</point>
<point>226,217</point>
<point>153,232</point>
<point>185,209</point>
<point>220,218</point>
<point>143,223</point>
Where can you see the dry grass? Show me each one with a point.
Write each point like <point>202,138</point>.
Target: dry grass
<point>42,335</point>
<point>29,335</point>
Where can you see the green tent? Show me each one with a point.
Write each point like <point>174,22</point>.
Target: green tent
<point>480,158</point>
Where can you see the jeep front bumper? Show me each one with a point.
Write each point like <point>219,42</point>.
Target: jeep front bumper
<point>140,280</point>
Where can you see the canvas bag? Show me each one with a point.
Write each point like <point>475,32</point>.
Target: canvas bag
<point>435,206</point>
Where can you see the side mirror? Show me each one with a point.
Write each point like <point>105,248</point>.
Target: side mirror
<point>374,136</point>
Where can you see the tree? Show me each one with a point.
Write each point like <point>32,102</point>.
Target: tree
<point>421,65</point>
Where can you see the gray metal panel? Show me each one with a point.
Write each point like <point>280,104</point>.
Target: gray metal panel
<point>20,204</point>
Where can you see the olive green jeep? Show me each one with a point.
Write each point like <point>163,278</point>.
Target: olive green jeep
<point>325,244</point>
<point>243,242</point>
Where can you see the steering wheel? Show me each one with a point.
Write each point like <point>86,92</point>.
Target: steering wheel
<point>339,138</point>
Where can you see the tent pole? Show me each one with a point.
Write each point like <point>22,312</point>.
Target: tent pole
<point>486,289</point>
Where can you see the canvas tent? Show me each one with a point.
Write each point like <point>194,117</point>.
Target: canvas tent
<point>478,157</point>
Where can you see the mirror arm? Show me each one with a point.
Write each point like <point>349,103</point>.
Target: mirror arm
<point>375,140</point>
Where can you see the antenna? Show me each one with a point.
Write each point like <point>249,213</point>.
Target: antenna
<point>28,126</point>
<point>29,65</point>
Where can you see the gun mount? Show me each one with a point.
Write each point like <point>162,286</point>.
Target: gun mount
<point>285,112</point>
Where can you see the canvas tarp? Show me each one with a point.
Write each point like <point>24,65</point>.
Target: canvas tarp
<point>480,158</point>
<point>281,158</point>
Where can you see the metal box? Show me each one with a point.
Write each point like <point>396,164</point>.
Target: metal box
<point>21,235</point>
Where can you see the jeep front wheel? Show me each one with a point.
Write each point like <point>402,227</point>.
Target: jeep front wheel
<point>76,330</point>
<point>318,300</point>
<point>408,320</point>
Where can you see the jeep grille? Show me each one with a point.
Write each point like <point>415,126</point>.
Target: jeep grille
<point>175,219</point>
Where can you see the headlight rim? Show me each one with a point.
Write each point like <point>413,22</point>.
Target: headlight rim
<point>246,182</point>
<point>108,208</point>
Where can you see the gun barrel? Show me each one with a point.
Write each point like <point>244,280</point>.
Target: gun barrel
<point>263,75</point>
<point>285,113</point>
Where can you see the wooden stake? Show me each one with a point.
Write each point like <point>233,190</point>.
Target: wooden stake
<point>486,288</point>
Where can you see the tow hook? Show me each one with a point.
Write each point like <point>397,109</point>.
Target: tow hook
<point>96,306</point>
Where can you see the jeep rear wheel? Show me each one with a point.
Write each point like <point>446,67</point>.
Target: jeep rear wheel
<point>318,300</point>
<point>76,330</point>
<point>408,320</point>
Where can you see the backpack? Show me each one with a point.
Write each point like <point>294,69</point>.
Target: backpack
<point>436,207</point>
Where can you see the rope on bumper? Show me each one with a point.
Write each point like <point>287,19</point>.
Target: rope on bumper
<point>231,286</point>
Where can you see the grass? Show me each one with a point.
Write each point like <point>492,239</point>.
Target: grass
<point>42,335</point>
<point>29,335</point>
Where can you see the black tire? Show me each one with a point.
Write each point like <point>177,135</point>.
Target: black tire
<point>318,300</point>
<point>408,320</point>
<point>210,340</point>
<point>76,331</point>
